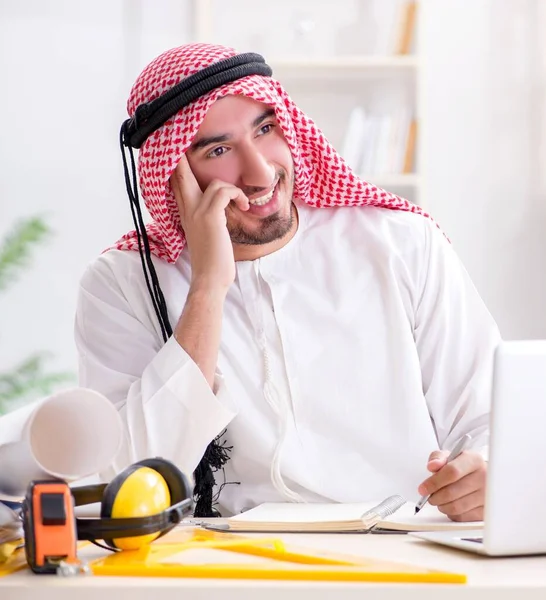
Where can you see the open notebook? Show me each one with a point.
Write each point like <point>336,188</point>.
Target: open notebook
<point>394,514</point>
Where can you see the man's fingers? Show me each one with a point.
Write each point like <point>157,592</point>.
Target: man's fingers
<point>476,514</point>
<point>458,487</point>
<point>466,508</point>
<point>185,185</point>
<point>450,493</point>
<point>437,460</point>
<point>438,455</point>
<point>192,202</point>
<point>222,196</point>
<point>465,463</point>
<point>463,505</point>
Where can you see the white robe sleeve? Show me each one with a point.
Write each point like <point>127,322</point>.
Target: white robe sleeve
<point>456,339</point>
<point>166,404</point>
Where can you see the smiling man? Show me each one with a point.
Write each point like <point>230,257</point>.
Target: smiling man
<point>254,157</point>
<point>312,335</point>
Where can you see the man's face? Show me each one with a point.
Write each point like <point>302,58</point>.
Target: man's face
<point>240,142</point>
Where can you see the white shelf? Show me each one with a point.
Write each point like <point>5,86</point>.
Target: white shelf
<point>409,61</point>
<point>330,86</point>
<point>347,66</point>
<point>393,180</point>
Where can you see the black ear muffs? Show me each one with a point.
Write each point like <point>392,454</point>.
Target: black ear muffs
<point>140,504</point>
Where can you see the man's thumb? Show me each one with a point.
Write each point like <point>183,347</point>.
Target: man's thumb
<point>437,460</point>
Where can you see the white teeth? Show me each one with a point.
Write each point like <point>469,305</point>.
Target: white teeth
<point>263,199</point>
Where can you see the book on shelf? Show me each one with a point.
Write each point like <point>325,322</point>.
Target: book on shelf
<point>380,144</point>
<point>409,158</point>
<point>406,27</point>
<point>352,144</point>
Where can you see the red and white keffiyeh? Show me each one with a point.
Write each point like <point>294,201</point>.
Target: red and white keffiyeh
<point>321,176</point>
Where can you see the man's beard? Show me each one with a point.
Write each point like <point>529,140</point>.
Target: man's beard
<point>271,228</point>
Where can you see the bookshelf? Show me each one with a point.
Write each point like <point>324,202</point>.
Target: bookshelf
<point>349,62</point>
<point>336,64</point>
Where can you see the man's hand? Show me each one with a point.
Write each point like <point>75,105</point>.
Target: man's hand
<point>457,488</point>
<point>203,218</point>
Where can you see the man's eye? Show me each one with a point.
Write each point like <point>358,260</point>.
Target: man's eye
<point>217,152</point>
<point>266,128</point>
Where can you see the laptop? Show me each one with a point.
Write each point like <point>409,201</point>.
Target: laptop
<point>515,504</point>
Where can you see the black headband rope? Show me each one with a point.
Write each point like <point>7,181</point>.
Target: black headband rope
<point>149,117</point>
<point>152,115</point>
<point>148,269</point>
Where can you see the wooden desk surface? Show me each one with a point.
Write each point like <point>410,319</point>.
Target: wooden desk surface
<point>488,578</point>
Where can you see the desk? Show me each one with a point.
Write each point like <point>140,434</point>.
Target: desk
<point>488,578</point>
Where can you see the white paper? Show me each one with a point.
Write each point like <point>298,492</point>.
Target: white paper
<point>7,516</point>
<point>429,517</point>
<point>72,434</point>
<point>286,512</point>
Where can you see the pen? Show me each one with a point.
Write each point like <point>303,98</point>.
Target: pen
<point>459,447</point>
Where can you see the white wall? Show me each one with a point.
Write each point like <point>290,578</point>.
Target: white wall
<point>65,73</point>
<point>484,149</point>
<point>66,69</point>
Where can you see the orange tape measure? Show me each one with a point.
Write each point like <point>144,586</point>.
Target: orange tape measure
<point>50,526</point>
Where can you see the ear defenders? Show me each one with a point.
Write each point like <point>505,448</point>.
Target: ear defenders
<point>142,503</point>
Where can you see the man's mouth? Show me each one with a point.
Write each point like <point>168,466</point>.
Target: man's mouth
<point>262,200</point>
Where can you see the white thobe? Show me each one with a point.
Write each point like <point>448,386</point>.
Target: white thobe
<point>346,357</point>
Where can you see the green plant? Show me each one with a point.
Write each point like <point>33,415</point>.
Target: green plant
<point>28,379</point>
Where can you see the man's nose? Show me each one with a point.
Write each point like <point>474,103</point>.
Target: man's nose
<point>257,173</point>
